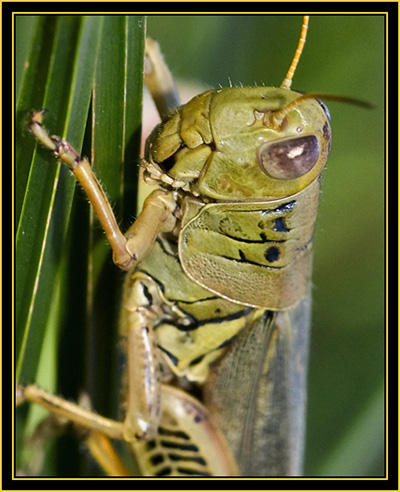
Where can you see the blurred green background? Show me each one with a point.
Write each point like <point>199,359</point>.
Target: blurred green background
<point>343,55</point>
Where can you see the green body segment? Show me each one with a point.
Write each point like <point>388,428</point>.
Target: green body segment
<point>193,324</point>
<point>258,253</point>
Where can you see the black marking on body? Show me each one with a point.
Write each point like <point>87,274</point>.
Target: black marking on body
<point>286,207</point>
<point>154,279</point>
<point>197,301</point>
<point>263,240</point>
<point>194,459</point>
<point>194,323</point>
<point>164,249</point>
<point>272,254</point>
<point>237,260</point>
<point>171,357</point>
<point>326,131</point>
<point>174,453</point>
<point>197,360</point>
<point>175,433</point>
<point>150,445</point>
<point>157,459</point>
<point>188,471</point>
<point>178,445</point>
<point>147,294</point>
<point>280,225</point>
<point>230,317</point>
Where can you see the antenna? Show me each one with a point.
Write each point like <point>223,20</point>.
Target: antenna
<point>287,82</point>
<point>273,119</point>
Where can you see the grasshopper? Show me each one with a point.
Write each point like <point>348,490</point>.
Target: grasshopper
<point>216,305</point>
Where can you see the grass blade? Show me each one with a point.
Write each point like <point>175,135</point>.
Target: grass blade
<point>53,224</point>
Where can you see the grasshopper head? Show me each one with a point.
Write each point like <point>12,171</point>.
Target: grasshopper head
<point>243,143</point>
<point>266,144</point>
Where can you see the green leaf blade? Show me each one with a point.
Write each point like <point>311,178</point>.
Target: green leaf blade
<point>53,227</point>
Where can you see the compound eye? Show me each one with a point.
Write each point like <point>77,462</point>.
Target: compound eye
<point>289,158</point>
